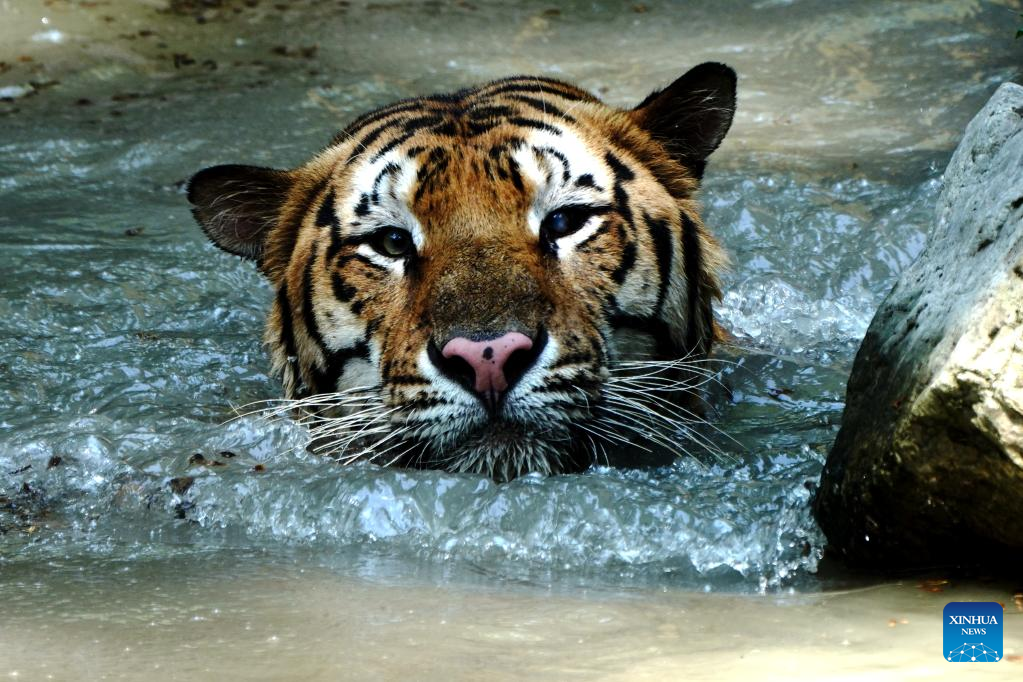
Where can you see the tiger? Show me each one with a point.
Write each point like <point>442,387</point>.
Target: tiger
<point>512,278</point>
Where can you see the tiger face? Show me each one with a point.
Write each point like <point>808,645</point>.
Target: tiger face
<point>462,279</point>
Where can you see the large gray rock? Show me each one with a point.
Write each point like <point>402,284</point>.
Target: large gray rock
<point>928,465</point>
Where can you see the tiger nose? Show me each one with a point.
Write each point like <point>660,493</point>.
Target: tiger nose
<point>494,364</point>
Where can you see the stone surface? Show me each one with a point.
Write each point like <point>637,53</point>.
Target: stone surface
<point>928,466</point>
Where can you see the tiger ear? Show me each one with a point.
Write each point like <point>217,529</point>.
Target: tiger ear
<point>238,206</point>
<point>691,116</point>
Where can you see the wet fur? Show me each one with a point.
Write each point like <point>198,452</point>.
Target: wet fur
<point>470,174</point>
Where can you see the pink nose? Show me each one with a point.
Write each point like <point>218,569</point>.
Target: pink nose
<point>487,360</point>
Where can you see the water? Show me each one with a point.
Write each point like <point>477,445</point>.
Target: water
<point>127,343</point>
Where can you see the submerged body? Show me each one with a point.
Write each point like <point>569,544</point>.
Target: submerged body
<point>474,281</point>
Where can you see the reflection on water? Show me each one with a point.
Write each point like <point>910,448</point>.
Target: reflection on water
<point>126,342</point>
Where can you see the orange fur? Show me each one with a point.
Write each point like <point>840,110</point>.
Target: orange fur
<point>470,176</point>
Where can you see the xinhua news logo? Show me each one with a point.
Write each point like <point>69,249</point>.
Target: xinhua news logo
<point>973,632</point>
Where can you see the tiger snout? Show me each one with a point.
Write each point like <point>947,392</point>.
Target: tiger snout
<point>488,364</point>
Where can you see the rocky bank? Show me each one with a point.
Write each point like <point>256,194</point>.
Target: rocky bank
<point>928,466</point>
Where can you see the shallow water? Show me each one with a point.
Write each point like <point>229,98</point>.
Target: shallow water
<point>343,615</point>
<point>127,342</point>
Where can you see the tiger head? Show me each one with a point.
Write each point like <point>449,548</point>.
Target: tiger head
<point>460,277</point>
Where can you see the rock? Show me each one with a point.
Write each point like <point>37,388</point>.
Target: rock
<point>928,465</point>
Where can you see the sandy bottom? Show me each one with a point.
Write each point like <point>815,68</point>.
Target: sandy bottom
<point>227,617</point>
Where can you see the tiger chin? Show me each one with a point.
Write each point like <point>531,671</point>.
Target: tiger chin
<point>507,279</point>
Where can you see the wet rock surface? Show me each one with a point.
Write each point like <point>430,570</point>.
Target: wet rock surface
<point>928,465</point>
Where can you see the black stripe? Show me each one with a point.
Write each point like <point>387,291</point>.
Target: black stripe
<point>477,128</point>
<point>372,117</point>
<point>308,315</point>
<point>362,209</point>
<point>401,139</point>
<point>386,170</point>
<point>343,291</point>
<point>326,381</point>
<point>513,171</point>
<point>626,264</point>
<point>436,155</point>
<point>621,172</point>
<point>694,277</point>
<point>533,123</point>
<point>593,235</point>
<point>660,235</point>
<point>585,180</point>
<point>389,169</point>
<point>409,129</point>
<point>622,204</point>
<point>344,259</point>
<point>396,110</point>
<point>370,138</point>
<point>326,215</point>
<point>536,85</point>
<point>408,125</point>
<point>413,125</point>
<point>542,106</point>
<point>435,164</point>
<point>566,172</point>
<point>337,242</point>
<point>354,240</point>
<point>406,380</point>
<point>287,339</point>
<point>490,111</point>
<point>541,86</point>
<point>287,334</point>
<point>424,403</point>
<point>446,129</point>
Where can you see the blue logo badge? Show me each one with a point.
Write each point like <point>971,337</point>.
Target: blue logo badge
<point>973,631</point>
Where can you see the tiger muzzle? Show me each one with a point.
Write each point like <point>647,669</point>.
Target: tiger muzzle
<point>488,364</point>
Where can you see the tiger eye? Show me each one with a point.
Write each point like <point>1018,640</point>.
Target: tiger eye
<point>566,220</point>
<point>393,242</point>
<point>558,224</point>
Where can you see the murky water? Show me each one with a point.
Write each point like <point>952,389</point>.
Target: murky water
<point>126,343</point>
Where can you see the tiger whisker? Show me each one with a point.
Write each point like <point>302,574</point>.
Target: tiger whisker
<point>649,416</point>
<point>666,440</point>
<point>684,415</point>
<point>302,406</point>
<point>631,423</point>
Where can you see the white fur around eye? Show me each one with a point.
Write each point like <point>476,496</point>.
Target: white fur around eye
<point>568,243</point>
<point>555,193</point>
<point>395,265</point>
<point>395,195</point>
